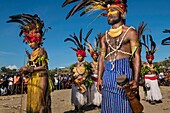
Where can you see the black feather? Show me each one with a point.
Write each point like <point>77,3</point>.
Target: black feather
<point>88,34</point>
<point>166,41</point>
<point>166,31</point>
<point>80,36</point>
<point>27,21</point>
<point>141,29</point>
<point>76,40</point>
<point>76,8</point>
<point>69,39</point>
<point>146,46</point>
<point>147,39</point>
<point>18,21</point>
<point>153,44</point>
<point>21,32</point>
<point>68,2</point>
<point>79,6</point>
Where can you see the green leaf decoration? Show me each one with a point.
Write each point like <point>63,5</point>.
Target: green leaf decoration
<point>88,81</point>
<point>72,67</point>
<point>145,70</point>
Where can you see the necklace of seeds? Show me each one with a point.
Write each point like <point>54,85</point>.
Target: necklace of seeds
<point>116,46</point>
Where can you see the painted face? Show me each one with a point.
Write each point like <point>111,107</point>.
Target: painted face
<point>33,45</point>
<point>95,57</point>
<point>114,16</point>
<point>80,58</point>
<point>149,60</point>
<point>112,11</point>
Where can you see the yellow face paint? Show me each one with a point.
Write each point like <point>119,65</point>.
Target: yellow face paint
<point>79,57</point>
<point>112,12</point>
<point>95,56</point>
<point>30,43</point>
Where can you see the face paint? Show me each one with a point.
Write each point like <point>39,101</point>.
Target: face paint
<point>95,56</point>
<point>80,58</point>
<point>30,43</point>
<point>114,16</point>
<point>33,45</point>
<point>112,12</point>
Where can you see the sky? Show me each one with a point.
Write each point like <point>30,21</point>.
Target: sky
<point>12,50</point>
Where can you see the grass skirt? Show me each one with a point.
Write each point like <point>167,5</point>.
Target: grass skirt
<point>38,95</point>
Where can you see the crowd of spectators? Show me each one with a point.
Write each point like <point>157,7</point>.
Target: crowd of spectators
<point>62,81</point>
<point>164,78</point>
<point>12,84</point>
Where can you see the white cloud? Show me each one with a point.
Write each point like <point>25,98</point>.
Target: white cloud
<point>12,67</point>
<point>6,53</point>
<point>61,67</point>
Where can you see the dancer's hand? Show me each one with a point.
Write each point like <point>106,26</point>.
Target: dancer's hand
<point>134,86</point>
<point>23,69</point>
<point>99,85</point>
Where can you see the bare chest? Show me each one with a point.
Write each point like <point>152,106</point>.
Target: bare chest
<point>118,43</point>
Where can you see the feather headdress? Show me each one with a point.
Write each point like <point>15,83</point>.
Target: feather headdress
<point>78,42</point>
<point>93,49</point>
<point>31,26</point>
<point>150,51</point>
<point>93,5</point>
<point>166,41</point>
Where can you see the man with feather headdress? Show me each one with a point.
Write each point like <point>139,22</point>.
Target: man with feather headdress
<point>118,45</point>
<point>120,54</point>
<point>94,97</point>
<point>153,93</point>
<point>80,71</point>
<point>38,93</point>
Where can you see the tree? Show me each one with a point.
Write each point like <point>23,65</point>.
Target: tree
<point>4,69</point>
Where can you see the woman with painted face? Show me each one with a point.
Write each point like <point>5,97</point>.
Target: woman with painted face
<point>94,97</point>
<point>38,93</point>
<point>153,93</point>
<point>80,73</point>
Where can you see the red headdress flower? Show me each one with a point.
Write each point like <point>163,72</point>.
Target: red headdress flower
<point>150,57</point>
<point>31,26</point>
<point>94,53</point>
<point>81,52</point>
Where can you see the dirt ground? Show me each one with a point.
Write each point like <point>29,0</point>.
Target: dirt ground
<point>61,103</point>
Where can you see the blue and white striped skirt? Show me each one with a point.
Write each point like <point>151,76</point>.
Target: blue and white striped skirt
<point>114,99</point>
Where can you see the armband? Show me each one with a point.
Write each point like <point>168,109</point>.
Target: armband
<point>137,44</point>
<point>103,53</point>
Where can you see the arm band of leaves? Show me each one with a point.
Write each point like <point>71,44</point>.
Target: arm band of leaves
<point>103,53</point>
